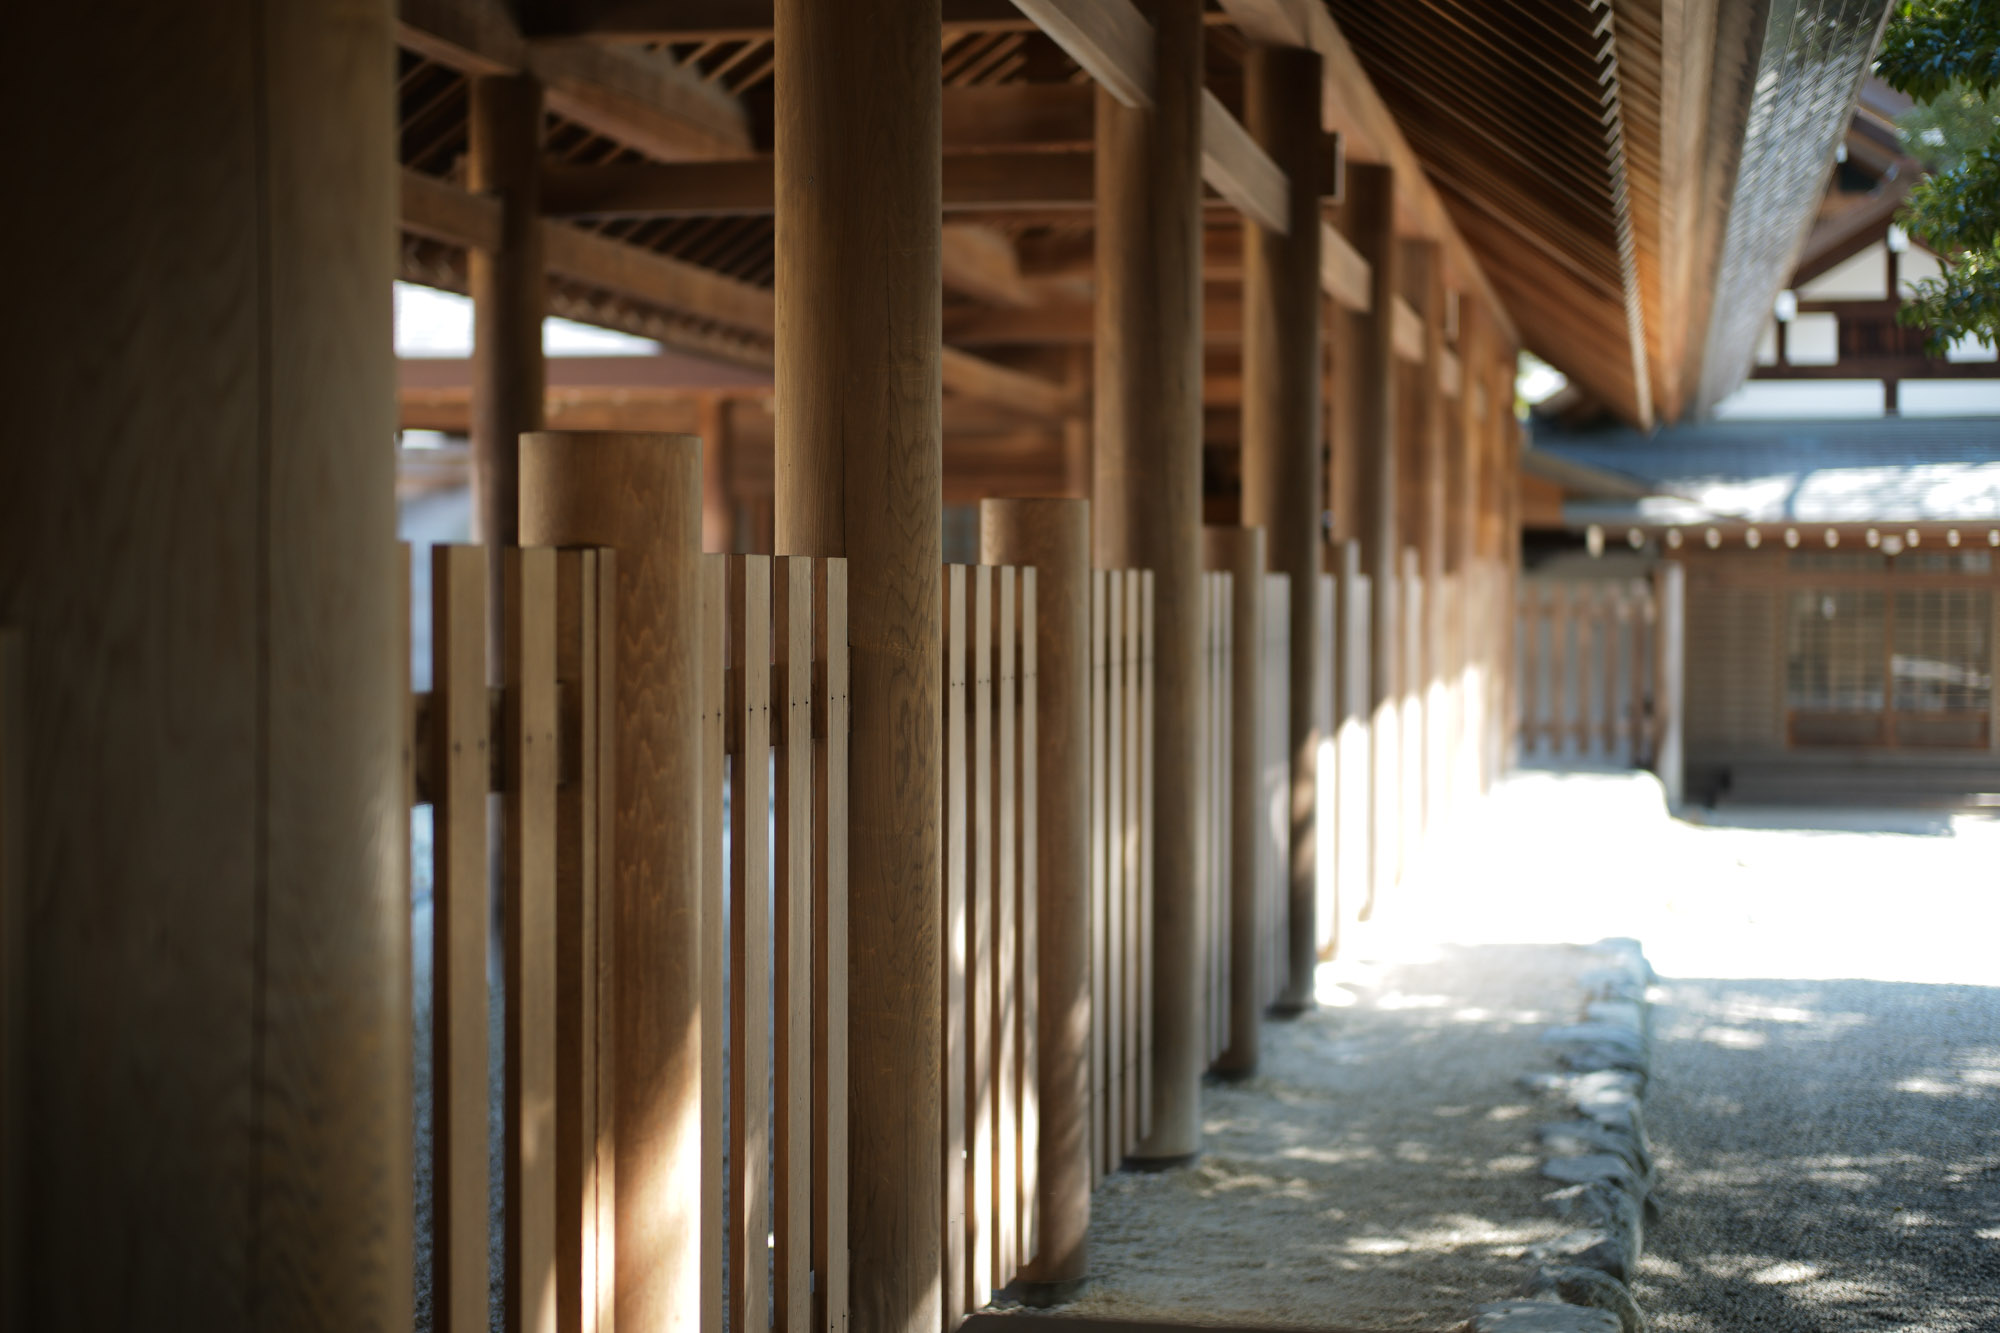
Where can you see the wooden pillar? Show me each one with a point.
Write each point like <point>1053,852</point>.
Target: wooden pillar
<point>859,473</point>
<point>197,551</point>
<point>640,494</point>
<point>1241,553</point>
<point>1420,443</point>
<point>504,124</point>
<point>1370,222</point>
<point>1054,537</point>
<point>1282,483</point>
<point>1146,486</point>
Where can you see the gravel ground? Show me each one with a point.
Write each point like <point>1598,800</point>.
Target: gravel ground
<point>1825,1102</point>
<point>1379,1172</point>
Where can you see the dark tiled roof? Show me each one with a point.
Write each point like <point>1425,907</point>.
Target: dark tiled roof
<point>1814,471</point>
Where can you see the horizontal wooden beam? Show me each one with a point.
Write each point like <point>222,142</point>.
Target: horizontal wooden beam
<point>657,21</point>
<point>1343,273</point>
<point>1017,115</point>
<point>981,262</point>
<point>474,37</point>
<point>1031,395</point>
<point>1068,323</point>
<point>982,182</point>
<point>643,99</point>
<point>440,211</point>
<point>1239,170</point>
<point>656,279</point>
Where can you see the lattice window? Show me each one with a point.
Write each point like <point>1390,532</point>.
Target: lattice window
<point>1837,651</point>
<point>1943,654</point>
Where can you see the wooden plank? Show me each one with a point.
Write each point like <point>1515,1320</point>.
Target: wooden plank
<point>1343,273</point>
<point>1406,330</point>
<point>750,940</point>
<point>1134,920</point>
<point>528,871</point>
<point>645,100</point>
<point>1239,169</point>
<point>460,765</point>
<point>585,649</point>
<point>1010,115</point>
<point>1100,838</point>
<point>957,887</point>
<point>441,211</point>
<point>475,37</point>
<point>1121,1130</point>
<point>1028,1228</point>
<point>792,898</point>
<point>656,279</point>
<point>829,1061</point>
<point>974,377</point>
<point>1109,38</point>
<point>14,950</point>
<point>714,939</point>
<point>1006,928</point>
<point>979,1130</point>
<point>1147,722</point>
<point>997,181</point>
<point>981,262</point>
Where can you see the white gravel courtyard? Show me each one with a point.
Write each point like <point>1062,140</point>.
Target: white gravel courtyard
<point>1825,1103</point>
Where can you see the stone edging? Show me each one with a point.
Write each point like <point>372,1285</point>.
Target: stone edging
<point>1600,1159</point>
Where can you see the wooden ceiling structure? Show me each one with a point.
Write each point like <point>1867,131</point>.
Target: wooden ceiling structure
<point>1572,159</point>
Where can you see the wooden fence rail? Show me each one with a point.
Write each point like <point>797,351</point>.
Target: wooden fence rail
<point>990,1147</point>
<point>1588,670</point>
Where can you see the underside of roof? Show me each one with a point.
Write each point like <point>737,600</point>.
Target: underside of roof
<point>1635,176</point>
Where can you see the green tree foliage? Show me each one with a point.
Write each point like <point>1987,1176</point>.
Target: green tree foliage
<point>1946,54</point>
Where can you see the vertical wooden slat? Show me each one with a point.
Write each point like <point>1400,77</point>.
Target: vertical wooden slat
<point>1100,838</point>
<point>829,875</point>
<point>1145,646</point>
<point>979,968</point>
<point>14,1145</point>
<point>749,941</point>
<point>1006,927</point>
<point>1120,1130</point>
<point>957,860</point>
<point>792,895</point>
<point>528,861</point>
<point>1138,916</point>
<point>1029,984</point>
<point>714,939</point>
<point>584,653</point>
<point>459,779</point>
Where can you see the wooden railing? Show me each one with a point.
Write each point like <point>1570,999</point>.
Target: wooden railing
<point>773,666</point>
<point>1588,671</point>
<point>542,740</point>
<point>991,1105</point>
<point>1218,811</point>
<point>1121,889</point>
<point>774,955</point>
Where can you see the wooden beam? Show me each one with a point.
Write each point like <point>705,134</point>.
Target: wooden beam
<point>742,187</point>
<point>1068,324</point>
<point>474,37</point>
<point>973,377</point>
<point>440,211</point>
<point>1406,330</point>
<point>1011,115</point>
<point>1109,38</point>
<point>643,99</point>
<point>1239,170</point>
<point>656,279</point>
<point>981,262</point>
<point>1113,42</point>
<point>1343,273</point>
<point>659,21</point>
<point>1351,105</point>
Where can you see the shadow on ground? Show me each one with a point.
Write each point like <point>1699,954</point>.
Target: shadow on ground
<point>1831,1156</point>
<point>1380,1170</point>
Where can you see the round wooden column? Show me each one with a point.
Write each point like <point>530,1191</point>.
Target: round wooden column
<point>1146,485</point>
<point>1240,552</point>
<point>197,528</point>
<point>1282,484</point>
<point>504,121</point>
<point>1369,221</point>
<point>640,494</point>
<point>859,461</point>
<point>1054,537</point>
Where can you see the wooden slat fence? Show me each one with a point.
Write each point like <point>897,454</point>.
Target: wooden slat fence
<point>541,739</point>
<point>1216,812</point>
<point>773,921</point>
<point>1121,864</point>
<point>1588,670</point>
<point>990,973</point>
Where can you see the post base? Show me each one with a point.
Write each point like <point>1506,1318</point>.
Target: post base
<point>1153,1164</point>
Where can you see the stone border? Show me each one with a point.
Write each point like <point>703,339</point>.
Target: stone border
<point>1579,1282</point>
